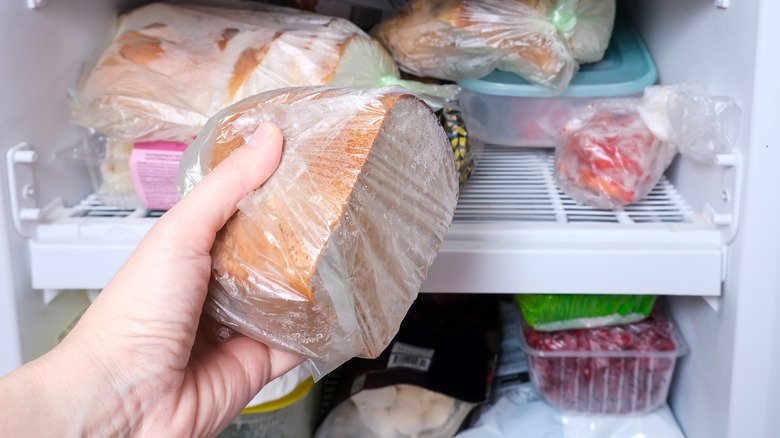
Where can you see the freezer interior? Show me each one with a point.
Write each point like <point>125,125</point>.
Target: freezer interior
<point>706,239</point>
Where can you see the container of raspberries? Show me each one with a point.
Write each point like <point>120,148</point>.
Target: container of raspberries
<point>620,369</point>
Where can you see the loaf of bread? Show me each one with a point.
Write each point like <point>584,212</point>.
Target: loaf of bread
<point>540,40</point>
<point>327,256</point>
<point>168,68</point>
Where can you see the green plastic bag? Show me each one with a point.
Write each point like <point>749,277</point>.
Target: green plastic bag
<point>570,311</point>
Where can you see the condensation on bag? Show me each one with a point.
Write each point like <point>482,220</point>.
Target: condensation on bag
<point>541,40</point>
<point>327,256</point>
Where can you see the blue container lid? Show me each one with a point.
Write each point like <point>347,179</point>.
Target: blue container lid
<point>625,69</point>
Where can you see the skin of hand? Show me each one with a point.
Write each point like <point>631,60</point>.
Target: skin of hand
<point>142,360</point>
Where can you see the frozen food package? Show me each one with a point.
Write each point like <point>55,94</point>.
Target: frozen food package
<point>327,256</point>
<point>548,312</point>
<point>463,146</point>
<point>607,157</point>
<point>701,125</point>
<point>621,369</point>
<point>515,409</point>
<point>423,385</point>
<point>169,67</point>
<point>540,40</point>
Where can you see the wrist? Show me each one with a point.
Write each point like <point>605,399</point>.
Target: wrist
<point>66,392</point>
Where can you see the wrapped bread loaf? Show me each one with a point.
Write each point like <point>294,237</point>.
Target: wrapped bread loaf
<point>540,40</point>
<point>168,68</point>
<point>327,256</point>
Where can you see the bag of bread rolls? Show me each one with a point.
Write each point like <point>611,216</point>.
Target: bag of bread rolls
<point>170,67</point>
<point>327,256</point>
<point>540,40</point>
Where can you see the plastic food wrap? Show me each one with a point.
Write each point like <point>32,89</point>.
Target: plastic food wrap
<point>562,311</point>
<point>540,40</point>
<point>399,411</point>
<point>607,157</point>
<point>423,385</point>
<point>610,370</point>
<point>516,410</point>
<point>701,125</point>
<point>455,127</point>
<point>168,68</point>
<point>327,256</point>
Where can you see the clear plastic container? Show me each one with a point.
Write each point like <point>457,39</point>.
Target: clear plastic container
<point>623,369</point>
<point>503,108</point>
<point>292,416</point>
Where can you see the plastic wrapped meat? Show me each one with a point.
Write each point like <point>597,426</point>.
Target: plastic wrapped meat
<point>327,256</point>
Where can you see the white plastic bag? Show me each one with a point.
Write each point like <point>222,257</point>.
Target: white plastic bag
<point>701,125</point>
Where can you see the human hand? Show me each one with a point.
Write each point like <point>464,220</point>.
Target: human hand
<point>134,363</point>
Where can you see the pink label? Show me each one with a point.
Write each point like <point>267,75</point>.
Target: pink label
<point>154,166</point>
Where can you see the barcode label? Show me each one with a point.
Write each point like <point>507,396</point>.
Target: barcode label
<point>408,356</point>
<point>402,361</point>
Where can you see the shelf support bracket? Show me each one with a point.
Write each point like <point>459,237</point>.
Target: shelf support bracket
<point>25,211</point>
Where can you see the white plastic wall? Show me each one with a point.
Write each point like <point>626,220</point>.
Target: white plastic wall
<point>724,387</point>
<point>41,52</point>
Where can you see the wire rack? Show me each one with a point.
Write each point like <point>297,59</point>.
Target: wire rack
<point>508,185</point>
<point>518,185</point>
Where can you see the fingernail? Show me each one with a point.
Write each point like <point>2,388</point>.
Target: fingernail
<point>261,135</point>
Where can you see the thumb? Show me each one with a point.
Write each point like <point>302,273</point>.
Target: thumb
<point>211,203</point>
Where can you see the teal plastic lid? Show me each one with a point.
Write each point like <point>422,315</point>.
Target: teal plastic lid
<point>625,69</point>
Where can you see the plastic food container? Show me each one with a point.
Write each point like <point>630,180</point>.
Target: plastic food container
<point>622,369</point>
<point>503,108</point>
<point>292,416</point>
<point>569,311</point>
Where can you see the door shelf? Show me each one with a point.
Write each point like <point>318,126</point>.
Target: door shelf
<point>513,232</point>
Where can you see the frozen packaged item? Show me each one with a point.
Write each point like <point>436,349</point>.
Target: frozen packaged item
<point>457,133</point>
<point>568,311</point>
<point>503,108</point>
<point>327,256</point>
<point>168,68</point>
<point>398,411</point>
<point>424,385</point>
<point>620,369</point>
<point>701,125</point>
<point>539,40</point>
<point>606,156</point>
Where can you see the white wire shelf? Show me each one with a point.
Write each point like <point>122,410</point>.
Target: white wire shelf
<point>514,232</point>
<point>518,186</point>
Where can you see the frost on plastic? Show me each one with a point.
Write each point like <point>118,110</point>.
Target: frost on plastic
<point>540,40</point>
<point>168,68</point>
<point>327,256</point>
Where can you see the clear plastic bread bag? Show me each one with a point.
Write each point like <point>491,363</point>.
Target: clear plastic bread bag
<point>606,157</point>
<point>168,67</point>
<point>327,256</point>
<point>465,39</point>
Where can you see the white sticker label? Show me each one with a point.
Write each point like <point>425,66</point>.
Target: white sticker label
<point>408,356</point>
